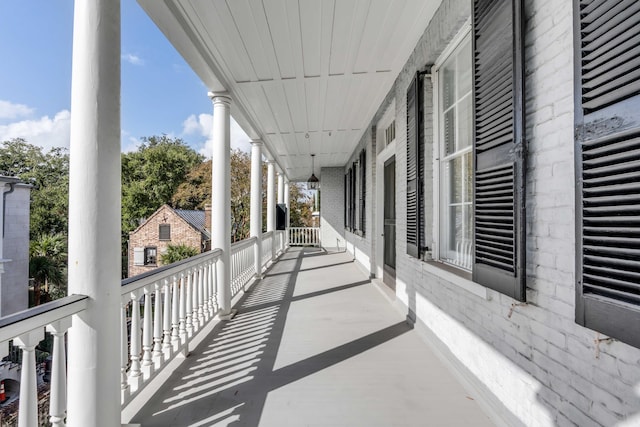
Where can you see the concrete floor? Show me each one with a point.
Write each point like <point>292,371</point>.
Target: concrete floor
<point>314,344</point>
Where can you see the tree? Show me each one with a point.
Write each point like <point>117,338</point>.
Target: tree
<point>151,175</point>
<point>48,172</point>
<point>177,253</point>
<point>47,266</point>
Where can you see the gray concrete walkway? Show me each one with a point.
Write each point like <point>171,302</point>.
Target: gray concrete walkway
<point>314,344</point>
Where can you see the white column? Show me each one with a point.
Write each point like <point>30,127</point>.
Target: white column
<point>280,188</point>
<point>28,410</point>
<point>256,203</point>
<point>271,197</point>
<point>287,190</point>
<point>271,206</point>
<point>58,396</point>
<point>221,196</point>
<point>94,215</point>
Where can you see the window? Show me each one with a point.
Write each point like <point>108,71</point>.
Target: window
<point>456,164</point>
<point>164,232</point>
<point>607,123</point>
<point>150,256</point>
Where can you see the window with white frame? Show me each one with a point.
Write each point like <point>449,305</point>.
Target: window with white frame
<point>454,100</point>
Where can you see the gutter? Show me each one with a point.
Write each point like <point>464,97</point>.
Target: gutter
<point>12,187</point>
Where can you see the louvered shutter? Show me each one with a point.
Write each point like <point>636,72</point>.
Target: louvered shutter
<point>363,189</point>
<point>353,198</point>
<point>345,207</point>
<point>499,245</point>
<point>607,116</point>
<point>138,256</point>
<point>415,167</point>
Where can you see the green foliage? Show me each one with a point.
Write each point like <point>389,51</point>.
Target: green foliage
<point>48,172</point>
<point>177,253</point>
<point>195,192</point>
<point>300,206</point>
<point>48,266</point>
<point>151,175</point>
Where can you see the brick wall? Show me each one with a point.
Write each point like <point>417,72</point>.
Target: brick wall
<point>533,363</point>
<point>147,235</point>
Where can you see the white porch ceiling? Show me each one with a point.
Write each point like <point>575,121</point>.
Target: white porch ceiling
<point>305,76</point>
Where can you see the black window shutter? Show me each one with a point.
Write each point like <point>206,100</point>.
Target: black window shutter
<point>363,189</point>
<point>607,149</point>
<point>345,207</point>
<point>499,246</point>
<point>353,197</point>
<point>415,167</point>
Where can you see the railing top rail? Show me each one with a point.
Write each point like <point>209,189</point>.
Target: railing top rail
<point>40,316</point>
<point>136,282</point>
<point>237,246</point>
<point>267,234</point>
<point>304,228</point>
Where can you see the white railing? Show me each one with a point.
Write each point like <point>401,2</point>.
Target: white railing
<point>281,241</point>
<point>160,311</point>
<point>304,236</point>
<point>267,248</point>
<point>26,329</point>
<point>243,266</point>
<point>178,300</point>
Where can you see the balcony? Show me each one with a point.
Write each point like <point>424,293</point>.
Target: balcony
<point>315,340</point>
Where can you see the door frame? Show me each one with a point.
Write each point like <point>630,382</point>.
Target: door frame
<point>383,157</point>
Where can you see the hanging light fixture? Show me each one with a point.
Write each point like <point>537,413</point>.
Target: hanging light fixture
<point>313,181</point>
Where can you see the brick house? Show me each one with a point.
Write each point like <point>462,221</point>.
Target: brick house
<point>164,227</point>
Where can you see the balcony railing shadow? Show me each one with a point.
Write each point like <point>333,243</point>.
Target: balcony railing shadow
<point>232,372</point>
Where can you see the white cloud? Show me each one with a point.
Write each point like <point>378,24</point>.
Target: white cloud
<point>45,132</point>
<point>128,143</point>
<point>9,110</point>
<point>202,124</point>
<point>133,59</point>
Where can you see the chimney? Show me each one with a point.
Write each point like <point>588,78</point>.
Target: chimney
<point>207,217</point>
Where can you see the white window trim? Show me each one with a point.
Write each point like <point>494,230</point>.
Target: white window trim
<point>446,53</point>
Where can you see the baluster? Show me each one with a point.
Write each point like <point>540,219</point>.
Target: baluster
<point>183,308</point>
<point>166,341</point>
<point>200,296</point>
<point>211,299</point>
<point>205,292</point>
<point>157,325</point>
<point>175,310</point>
<point>134,371</point>
<point>189,303</point>
<point>196,323</point>
<point>147,332</point>
<point>58,387</point>
<point>28,409</point>
<point>214,284</point>
<point>124,352</point>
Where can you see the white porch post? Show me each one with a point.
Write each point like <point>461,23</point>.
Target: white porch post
<point>280,188</point>
<point>28,410</point>
<point>286,202</point>
<point>256,202</point>
<point>271,205</point>
<point>94,215</point>
<point>221,196</point>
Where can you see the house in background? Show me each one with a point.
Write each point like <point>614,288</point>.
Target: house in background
<point>164,227</point>
<point>14,245</point>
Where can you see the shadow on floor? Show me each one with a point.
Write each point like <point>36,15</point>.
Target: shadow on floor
<point>227,379</point>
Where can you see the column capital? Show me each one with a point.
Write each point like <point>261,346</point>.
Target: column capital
<point>220,97</point>
<point>257,142</point>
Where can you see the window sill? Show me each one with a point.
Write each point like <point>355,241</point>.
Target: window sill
<point>455,276</point>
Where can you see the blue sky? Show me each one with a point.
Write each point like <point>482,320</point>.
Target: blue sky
<point>160,93</point>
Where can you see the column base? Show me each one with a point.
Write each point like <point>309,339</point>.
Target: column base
<point>228,316</point>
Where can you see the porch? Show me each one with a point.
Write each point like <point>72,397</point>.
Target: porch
<point>314,343</point>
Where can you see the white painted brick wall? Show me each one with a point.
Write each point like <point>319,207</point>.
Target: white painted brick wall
<point>332,208</point>
<point>544,368</point>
